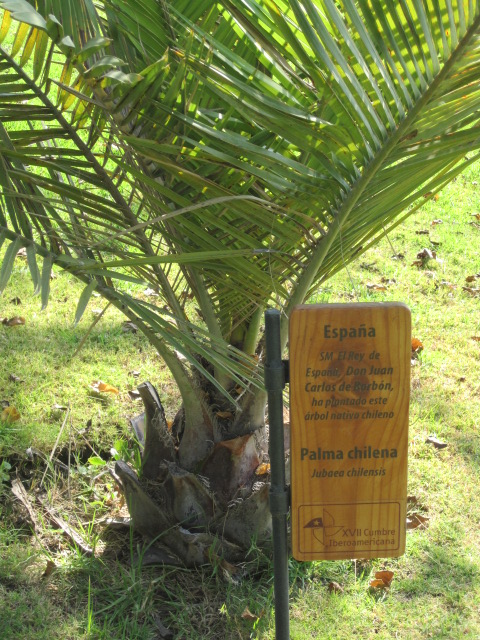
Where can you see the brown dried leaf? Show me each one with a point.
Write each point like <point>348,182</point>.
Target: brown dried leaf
<point>476,215</point>
<point>103,387</point>
<point>437,221</point>
<point>248,615</point>
<point>476,338</point>
<point>436,442</point>
<point>426,254</point>
<point>378,584</point>
<point>49,569</point>
<point>334,587</point>
<point>10,414</point>
<point>472,278</point>
<point>417,263</point>
<point>417,345</point>
<point>129,327</point>
<point>472,291</point>
<point>386,576</point>
<point>422,232</point>
<point>376,287</point>
<point>416,520</point>
<point>16,321</point>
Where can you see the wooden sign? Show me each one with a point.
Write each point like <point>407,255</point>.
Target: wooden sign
<point>349,399</point>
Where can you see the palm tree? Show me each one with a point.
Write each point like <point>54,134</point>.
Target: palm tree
<point>232,155</point>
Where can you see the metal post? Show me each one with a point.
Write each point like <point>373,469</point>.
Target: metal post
<point>279,495</point>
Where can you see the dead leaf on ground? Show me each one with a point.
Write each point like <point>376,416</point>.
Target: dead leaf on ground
<point>416,520</point>
<point>438,444</point>
<point>476,215</point>
<point>334,587</point>
<point>476,338</point>
<point>16,321</point>
<point>13,378</point>
<point>472,291</point>
<point>10,414</point>
<point>376,287</point>
<point>381,581</point>
<point>398,256</point>
<point>16,301</point>
<point>417,346</point>
<point>134,394</point>
<point>129,327</point>
<point>386,576</point>
<point>103,387</point>
<point>134,373</point>
<point>422,232</point>
<point>472,278</point>
<point>248,615</point>
<point>427,254</point>
<point>437,221</point>
<point>49,569</point>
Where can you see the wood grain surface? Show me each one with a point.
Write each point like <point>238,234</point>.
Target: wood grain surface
<point>349,400</point>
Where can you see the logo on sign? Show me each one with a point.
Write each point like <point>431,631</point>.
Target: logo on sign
<point>324,527</point>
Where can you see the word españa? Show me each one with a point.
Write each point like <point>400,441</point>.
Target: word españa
<point>352,454</point>
<point>351,332</point>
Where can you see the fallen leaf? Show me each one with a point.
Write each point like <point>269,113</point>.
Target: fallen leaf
<point>10,414</point>
<point>389,280</point>
<point>262,469</point>
<point>13,378</point>
<point>472,278</point>
<point>224,415</point>
<point>103,387</point>
<point>436,442</point>
<point>49,569</point>
<point>16,301</point>
<point>129,327</point>
<point>426,254</point>
<point>437,221</point>
<point>462,379</point>
<point>4,403</point>
<point>476,215</point>
<point>416,520</point>
<point>134,394</point>
<point>472,291</point>
<point>16,321</point>
<point>417,345</point>
<point>386,576</point>
<point>422,232</point>
<point>377,287</point>
<point>334,587</point>
<point>135,374</point>
<point>248,615</point>
<point>417,263</point>
<point>398,256</point>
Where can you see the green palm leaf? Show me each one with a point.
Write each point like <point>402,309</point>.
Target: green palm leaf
<point>238,153</point>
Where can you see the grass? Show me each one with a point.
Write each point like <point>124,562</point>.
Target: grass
<point>435,592</point>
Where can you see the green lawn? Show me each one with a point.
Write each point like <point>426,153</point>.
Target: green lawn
<point>435,592</point>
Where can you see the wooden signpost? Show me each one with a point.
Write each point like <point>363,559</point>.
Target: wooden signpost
<point>349,398</point>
